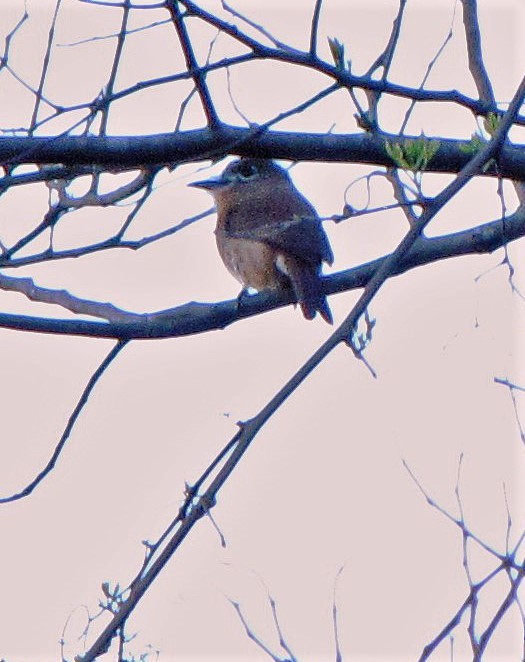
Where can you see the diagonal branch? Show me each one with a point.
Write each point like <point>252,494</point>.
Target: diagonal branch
<point>249,429</point>
<point>28,489</point>
<point>198,75</point>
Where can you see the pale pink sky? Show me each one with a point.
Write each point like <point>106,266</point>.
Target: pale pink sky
<point>323,485</point>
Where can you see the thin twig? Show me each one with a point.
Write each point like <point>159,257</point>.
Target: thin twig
<point>256,26</point>
<point>199,77</point>
<point>475,52</point>
<point>104,111</point>
<point>249,429</point>
<point>430,67</point>
<point>45,67</point>
<point>315,27</point>
<point>28,489</point>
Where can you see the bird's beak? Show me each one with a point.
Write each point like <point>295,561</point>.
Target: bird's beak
<point>211,184</point>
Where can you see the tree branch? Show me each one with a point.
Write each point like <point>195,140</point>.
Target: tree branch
<point>28,489</point>
<point>125,152</point>
<point>199,76</point>
<point>249,429</point>
<point>475,52</point>
<point>194,317</point>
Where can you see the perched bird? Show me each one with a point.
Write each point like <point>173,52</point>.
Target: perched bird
<point>268,235</point>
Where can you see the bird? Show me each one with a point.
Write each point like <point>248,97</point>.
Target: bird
<point>267,233</point>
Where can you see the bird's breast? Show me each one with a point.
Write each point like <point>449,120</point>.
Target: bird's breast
<point>252,263</point>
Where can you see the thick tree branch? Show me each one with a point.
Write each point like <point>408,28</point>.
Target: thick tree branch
<point>250,428</point>
<point>124,152</point>
<point>192,318</point>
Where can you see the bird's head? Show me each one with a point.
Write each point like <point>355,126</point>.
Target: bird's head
<point>245,177</point>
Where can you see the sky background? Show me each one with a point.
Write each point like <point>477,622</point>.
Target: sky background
<point>323,486</point>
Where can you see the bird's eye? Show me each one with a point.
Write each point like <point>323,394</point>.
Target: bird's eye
<point>246,170</point>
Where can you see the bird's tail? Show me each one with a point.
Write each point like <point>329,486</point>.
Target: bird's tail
<point>306,284</point>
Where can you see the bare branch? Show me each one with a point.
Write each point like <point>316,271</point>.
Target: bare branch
<point>58,160</point>
<point>338,653</point>
<point>256,26</point>
<point>198,76</point>
<point>63,298</point>
<point>384,62</point>
<point>509,600</point>
<point>475,53</point>
<point>251,634</point>
<point>249,429</point>
<point>115,241</point>
<point>470,605</point>
<point>513,387</point>
<point>28,489</point>
<point>45,67</point>
<point>315,27</point>
<point>430,67</point>
<point>118,153</point>
<point>104,111</point>
<point>194,317</point>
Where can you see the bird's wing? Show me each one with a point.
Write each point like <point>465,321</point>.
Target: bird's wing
<point>301,236</point>
<point>284,219</point>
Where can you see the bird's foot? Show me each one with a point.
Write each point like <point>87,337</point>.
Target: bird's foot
<point>242,297</point>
